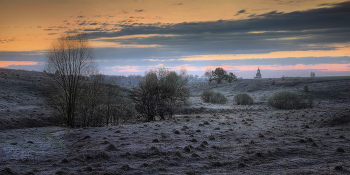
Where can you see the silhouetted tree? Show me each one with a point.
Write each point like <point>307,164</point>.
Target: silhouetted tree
<point>220,75</point>
<point>312,74</point>
<point>160,93</point>
<point>71,60</point>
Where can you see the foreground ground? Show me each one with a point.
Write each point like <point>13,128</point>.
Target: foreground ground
<point>202,139</point>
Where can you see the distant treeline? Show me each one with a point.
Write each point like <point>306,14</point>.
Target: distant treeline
<point>133,80</point>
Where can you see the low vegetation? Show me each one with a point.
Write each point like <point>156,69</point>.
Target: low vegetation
<point>211,96</point>
<point>284,100</point>
<point>290,100</point>
<point>243,99</point>
<point>198,132</point>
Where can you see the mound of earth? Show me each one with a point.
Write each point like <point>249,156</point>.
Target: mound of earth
<point>340,118</point>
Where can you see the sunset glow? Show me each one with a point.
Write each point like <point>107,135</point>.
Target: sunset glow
<point>313,53</point>
<point>22,63</point>
<point>320,67</point>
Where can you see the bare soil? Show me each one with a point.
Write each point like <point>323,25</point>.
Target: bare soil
<point>203,138</point>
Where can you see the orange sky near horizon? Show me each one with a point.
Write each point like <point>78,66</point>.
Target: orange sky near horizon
<point>341,52</point>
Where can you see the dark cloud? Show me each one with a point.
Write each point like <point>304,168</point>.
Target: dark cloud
<point>96,29</point>
<point>139,57</point>
<point>290,61</point>
<point>239,12</point>
<point>39,27</point>
<point>139,10</point>
<point>6,40</point>
<point>82,23</point>
<point>73,31</point>
<point>269,14</point>
<point>52,34</point>
<point>323,18</point>
<point>123,12</point>
<point>274,31</point>
<point>252,15</point>
<point>36,56</point>
<point>315,29</point>
<point>81,16</point>
<point>327,4</point>
<point>324,4</point>
<point>179,4</point>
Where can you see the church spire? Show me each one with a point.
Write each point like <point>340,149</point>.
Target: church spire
<point>258,75</point>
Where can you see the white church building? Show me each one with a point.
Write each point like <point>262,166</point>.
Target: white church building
<point>258,75</point>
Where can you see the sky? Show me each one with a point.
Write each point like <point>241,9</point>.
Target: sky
<point>281,37</point>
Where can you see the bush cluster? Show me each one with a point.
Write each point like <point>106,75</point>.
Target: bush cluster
<point>243,99</point>
<point>97,104</point>
<point>211,96</point>
<point>289,100</point>
<point>284,100</point>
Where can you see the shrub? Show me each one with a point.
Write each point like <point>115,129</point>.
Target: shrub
<point>306,88</point>
<point>284,100</point>
<point>243,99</point>
<point>210,96</point>
<point>206,95</point>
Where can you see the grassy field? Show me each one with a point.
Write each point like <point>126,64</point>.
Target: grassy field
<point>203,138</point>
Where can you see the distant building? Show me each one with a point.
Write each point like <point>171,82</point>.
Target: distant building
<point>258,75</point>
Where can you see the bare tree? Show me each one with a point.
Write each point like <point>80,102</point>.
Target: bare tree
<point>90,101</point>
<point>208,73</point>
<point>103,104</point>
<point>144,96</point>
<point>70,59</point>
<point>117,108</point>
<point>312,74</point>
